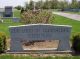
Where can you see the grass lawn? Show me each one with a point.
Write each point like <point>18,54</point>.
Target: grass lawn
<point>30,57</point>
<point>4,27</point>
<point>66,21</point>
<point>16,13</point>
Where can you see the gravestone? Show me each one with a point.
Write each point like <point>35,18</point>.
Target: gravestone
<point>39,32</point>
<point>8,12</point>
<point>15,19</point>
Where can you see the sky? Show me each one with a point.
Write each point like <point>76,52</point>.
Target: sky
<point>13,3</point>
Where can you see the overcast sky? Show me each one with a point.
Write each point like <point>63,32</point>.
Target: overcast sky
<point>4,3</point>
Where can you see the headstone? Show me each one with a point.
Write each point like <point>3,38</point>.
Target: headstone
<point>15,19</point>
<point>39,32</point>
<point>8,11</point>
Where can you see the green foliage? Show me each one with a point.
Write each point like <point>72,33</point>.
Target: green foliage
<point>46,5</point>
<point>76,43</point>
<point>22,10</point>
<point>53,4</point>
<point>2,42</point>
<point>74,4</point>
<point>39,4</point>
<point>33,17</point>
<point>31,5</point>
<point>18,7</point>
<point>62,4</point>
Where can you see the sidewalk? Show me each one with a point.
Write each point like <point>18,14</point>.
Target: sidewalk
<point>68,15</point>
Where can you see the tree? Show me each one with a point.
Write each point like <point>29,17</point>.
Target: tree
<point>63,4</point>
<point>47,4</point>
<point>18,7</point>
<point>54,4</point>
<point>39,4</point>
<point>22,10</point>
<point>79,4</point>
<point>26,6</point>
<point>31,4</point>
<point>74,4</point>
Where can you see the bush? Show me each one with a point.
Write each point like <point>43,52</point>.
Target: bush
<point>76,43</point>
<point>2,42</point>
<point>34,17</point>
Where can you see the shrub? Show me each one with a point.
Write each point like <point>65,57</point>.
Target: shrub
<point>34,17</point>
<point>76,43</point>
<point>2,42</point>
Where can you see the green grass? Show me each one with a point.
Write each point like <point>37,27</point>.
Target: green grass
<point>30,57</point>
<point>66,21</point>
<point>16,13</point>
<point>7,21</point>
<point>4,27</point>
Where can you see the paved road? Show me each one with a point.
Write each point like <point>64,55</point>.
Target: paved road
<point>68,15</point>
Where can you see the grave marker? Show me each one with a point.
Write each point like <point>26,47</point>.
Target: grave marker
<point>8,11</point>
<point>15,19</point>
<point>39,32</point>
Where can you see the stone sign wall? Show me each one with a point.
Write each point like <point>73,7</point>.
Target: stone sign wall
<point>39,32</point>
